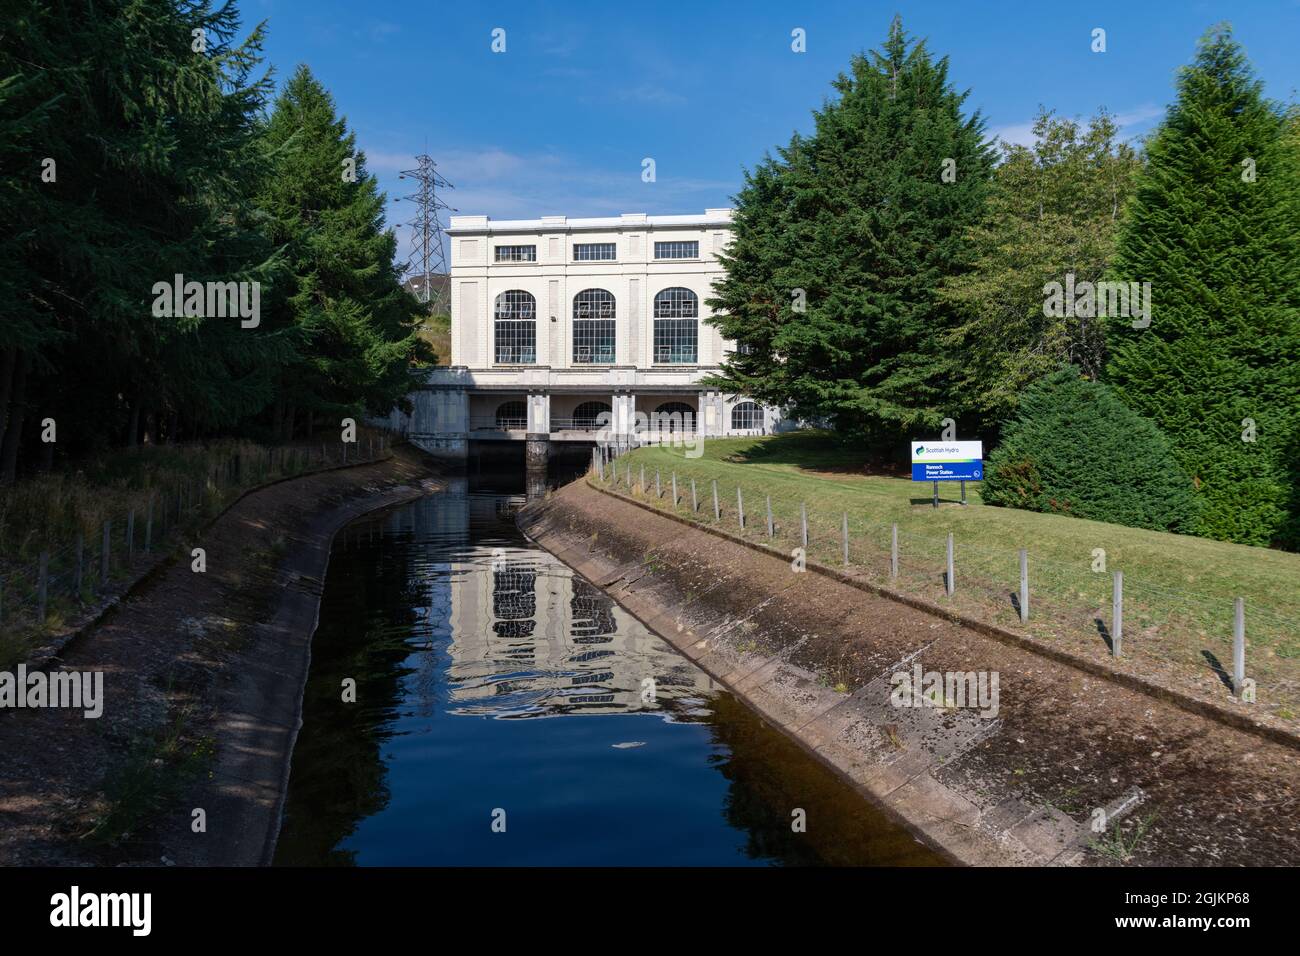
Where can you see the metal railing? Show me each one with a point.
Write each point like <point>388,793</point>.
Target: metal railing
<point>651,434</point>
<point>502,424</point>
<point>584,424</point>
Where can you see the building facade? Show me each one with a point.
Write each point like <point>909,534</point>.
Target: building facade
<point>580,330</point>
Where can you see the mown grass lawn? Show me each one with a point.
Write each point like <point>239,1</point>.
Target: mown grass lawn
<point>1179,590</point>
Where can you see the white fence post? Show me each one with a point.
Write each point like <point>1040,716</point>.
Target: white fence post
<point>950,583</point>
<point>1024,585</point>
<point>1238,646</point>
<point>1117,614</point>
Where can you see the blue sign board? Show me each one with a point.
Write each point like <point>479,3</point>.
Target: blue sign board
<point>947,461</point>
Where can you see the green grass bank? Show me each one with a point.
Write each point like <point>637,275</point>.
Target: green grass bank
<point>1179,591</point>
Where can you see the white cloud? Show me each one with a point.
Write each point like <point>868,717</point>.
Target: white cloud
<point>1128,123</point>
<point>1139,115</point>
<point>1020,133</point>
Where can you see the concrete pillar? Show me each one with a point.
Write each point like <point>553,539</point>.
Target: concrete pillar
<point>624,414</point>
<point>537,442</point>
<point>711,417</point>
<point>539,413</point>
<point>537,452</point>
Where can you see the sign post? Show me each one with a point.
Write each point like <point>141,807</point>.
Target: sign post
<point>960,461</point>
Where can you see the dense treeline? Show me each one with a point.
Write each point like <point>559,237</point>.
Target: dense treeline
<point>886,275</point>
<point>138,143</point>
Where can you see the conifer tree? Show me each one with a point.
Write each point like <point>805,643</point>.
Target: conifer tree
<point>842,241</point>
<point>1214,226</point>
<point>129,160</point>
<point>1074,448</point>
<point>354,325</point>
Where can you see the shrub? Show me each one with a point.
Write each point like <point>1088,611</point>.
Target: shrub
<point>1076,449</point>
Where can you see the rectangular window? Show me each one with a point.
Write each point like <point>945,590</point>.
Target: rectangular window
<point>516,342</point>
<point>676,341</point>
<point>516,254</point>
<point>677,250</point>
<point>593,252</point>
<point>593,342</point>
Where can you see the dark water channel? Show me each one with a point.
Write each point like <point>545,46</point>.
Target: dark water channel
<point>495,687</point>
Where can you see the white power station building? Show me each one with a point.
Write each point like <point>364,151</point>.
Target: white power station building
<point>580,330</point>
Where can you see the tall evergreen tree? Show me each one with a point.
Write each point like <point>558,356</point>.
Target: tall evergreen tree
<point>127,148</point>
<point>842,242</point>
<point>1055,209</point>
<point>1214,226</point>
<point>356,327</point>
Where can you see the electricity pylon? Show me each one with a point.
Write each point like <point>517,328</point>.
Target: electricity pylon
<point>427,253</point>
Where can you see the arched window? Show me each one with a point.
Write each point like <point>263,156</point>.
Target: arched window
<point>746,415</point>
<point>512,415</point>
<point>587,415</point>
<point>677,313</point>
<point>516,328</point>
<point>593,327</point>
<point>674,417</point>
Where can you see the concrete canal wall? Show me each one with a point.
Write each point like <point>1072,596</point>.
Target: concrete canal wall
<point>1061,766</point>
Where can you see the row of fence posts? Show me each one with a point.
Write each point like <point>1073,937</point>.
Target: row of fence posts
<point>950,574</point>
<point>282,459</point>
<point>105,553</point>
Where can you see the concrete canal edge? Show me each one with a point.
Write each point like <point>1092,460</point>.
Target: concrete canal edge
<point>260,712</point>
<point>950,776</point>
<point>1231,714</point>
<point>936,814</point>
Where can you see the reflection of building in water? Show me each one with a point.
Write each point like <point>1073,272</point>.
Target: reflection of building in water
<point>593,614</point>
<point>514,599</point>
<point>533,640</point>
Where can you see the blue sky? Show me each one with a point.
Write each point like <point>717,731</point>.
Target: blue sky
<point>560,122</point>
